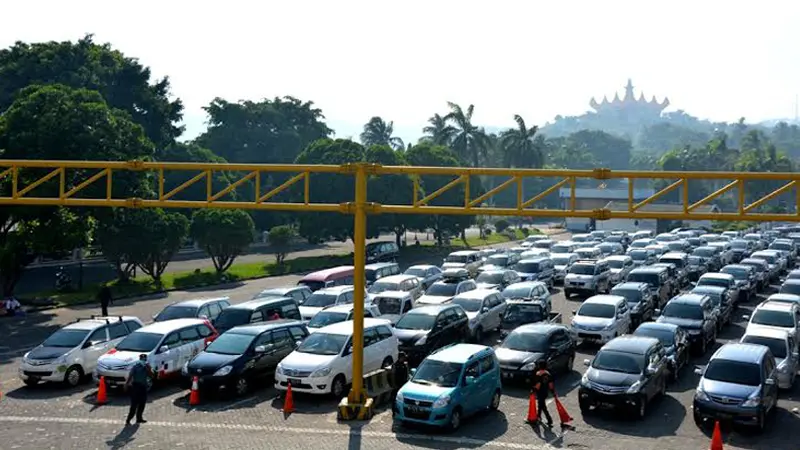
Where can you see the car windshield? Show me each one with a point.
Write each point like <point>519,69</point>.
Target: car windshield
<point>666,337</point>
<point>596,310</point>
<point>780,246</point>
<point>793,275</point>
<point>388,305</point>
<point>456,258</point>
<point>675,245</point>
<point>140,342</point>
<point>497,260</point>
<point>523,313</point>
<point>777,346</point>
<point>560,260</point>
<point>415,272</point>
<point>273,293</point>
<point>616,263</point>
<point>704,252</point>
<point>614,239</point>
<point>560,248</point>
<point>582,269</point>
<point>517,292</point>
<point>490,278</point>
<point>643,277</point>
<point>739,273</point>
<point>382,286</point>
<point>631,295</point>
<point>768,258</point>
<point>320,300</point>
<point>734,372</point>
<point>586,252</point>
<point>233,317</point>
<point>618,362</point>
<point>526,342</point>
<point>66,338</point>
<point>708,281</point>
<point>683,311</point>
<point>677,262</point>
<point>442,289</point>
<point>739,243</point>
<point>413,321</point>
<point>325,318</point>
<point>790,288</point>
<point>695,261</point>
<point>469,304</point>
<point>176,312</point>
<point>638,255</point>
<point>528,267</point>
<point>640,244</point>
<point>231,344</point>
<point>314,285</point>
<point>695,241</point>
<point>438,373</point>
<point>323,344</point>
<point>782,319</point>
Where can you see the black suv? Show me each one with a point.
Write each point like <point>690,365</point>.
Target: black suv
<point>626,373</point>
<point>641,299</point>
<point>244,356</point>
<point>256,311</point>
<point>657,278</point>
<point>382,251</point>
<point>529,344</point>
<point>695,314</point>
<point>427,328</point>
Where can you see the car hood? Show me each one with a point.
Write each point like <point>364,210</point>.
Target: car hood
<point>393,318</point>
<point>409,336</point>
<point>45,353</point>
<point>560,267</point>
<point>488,285</point>
<point>723,389</point>
<point>616,271</point>
<point>211,361</point>
<point>683,323</point>
<point>609,378</point>
<point>307,361</point>
<point>117,358</point>
<point>308,312</point>
<point>591,321</point>
<point>509,357</point>
<point>433,299</point>
<point>453,265</point>
<point>425,392</point>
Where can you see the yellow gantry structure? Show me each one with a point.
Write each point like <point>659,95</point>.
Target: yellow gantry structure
<point>92,184</point>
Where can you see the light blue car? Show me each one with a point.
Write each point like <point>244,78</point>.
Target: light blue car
<point>450,384</point>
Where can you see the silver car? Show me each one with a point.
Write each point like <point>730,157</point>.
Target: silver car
<point>782,344</point>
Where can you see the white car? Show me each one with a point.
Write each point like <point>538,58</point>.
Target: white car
<point>561,263</point>
<point>323,363</point>
<point>621,266</point>
<point>427,274</point>
<point>323,298</point>
<point>485,308</point>
<point>401,283</point>
<point>784,349</point>
<point>601,318</point>
<point>339,313</point>
<point>71,353</point>
<point>464,259</point>
<point>448,287</point>
<point>169,345</point>
<point>534,253</point>
<point>774,315</point>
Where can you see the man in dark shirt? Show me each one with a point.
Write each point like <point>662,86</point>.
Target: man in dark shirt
<point>105,299</point>
<point>400,373</point>
<point>137,388</point>
<point>542,386</point>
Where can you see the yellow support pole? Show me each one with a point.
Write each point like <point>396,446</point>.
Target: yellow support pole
<point>357,395</point>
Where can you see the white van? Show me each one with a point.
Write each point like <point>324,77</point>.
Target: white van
<point>464,259</point>
<point>323,363</point>
<point>168,346</point>
<point>72,352</point>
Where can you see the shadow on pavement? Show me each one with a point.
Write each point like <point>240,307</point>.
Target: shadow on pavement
<point>20,334</point>
<point>119,397</point>
<point>123,438</point>
<point>493,425</point>
<point>663,418</point>
<point>46,391</point>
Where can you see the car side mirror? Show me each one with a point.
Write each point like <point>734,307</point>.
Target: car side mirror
<point>769,381</point>
<point>652,370</point>
<point>574,312</point>
<point>204,316</point>
<point>155,316</point>
<point>87,344</point>
<point>163,349</point>
<point>698,371</point>
<point>657,312</point>
<point>297,343</point>
<point>412,371</point>
<point>485,310</point>
<point>746,317</point>
<point>261,349</point>
<point>470,381</point>
<point>586,362</point>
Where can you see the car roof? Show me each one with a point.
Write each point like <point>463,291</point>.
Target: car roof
<point>200,301</point>
<point>563,255</point>
<point>464,252</point>
<point>779,296</point>
<point>346,328</point>
<point>541,327</point>
<point>169,325</point>
<point>258,328</point>
<point>527,284</point>
<point>629,343</point>
<point>460,353</point>
<point>776,306</point>
<point>478,294</point>
<point>649,269</point>
<point>336,290</point>
<point>254,304</point>
<point>688,297</point>
<point>658,326</point>
<point>392,294</point>
<point>538,259</point>
<point>605,299</point>
<point>376,266</point>
<point>775,333</point>
<point>96,322</point>
<point>674,255</point>
<point>631,285</point>
<point>738,266</point>
<point>284,290</point>
<point>758,261</point>
<point>396,278</point>
<point>617,258</point>
<point>705,289</point>
<point>748,353</point>
<point>792,281</point>
<point>718,275</point>
<point>496,271</point>
<point>347,307</point>
<point>431,310</point>
<point>421,266</point>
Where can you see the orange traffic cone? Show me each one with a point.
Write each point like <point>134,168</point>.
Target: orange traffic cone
<point>288,402</point>
<point>194,395</point>
<point>716,438</point>
<point>532,412</point>
<point>102,397</point>
<point>563,415</point>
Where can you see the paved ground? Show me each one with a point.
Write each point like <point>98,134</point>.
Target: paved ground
<point>54,417</point>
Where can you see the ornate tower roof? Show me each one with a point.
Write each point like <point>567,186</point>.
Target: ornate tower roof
<point>630,103</point>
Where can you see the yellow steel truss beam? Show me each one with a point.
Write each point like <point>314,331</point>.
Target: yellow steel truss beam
<point>712,195</point>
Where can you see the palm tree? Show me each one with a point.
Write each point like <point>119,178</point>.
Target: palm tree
<point>469,141</point>
<point>378,132</point>
<point>520,146</point>
<point>439,132</point>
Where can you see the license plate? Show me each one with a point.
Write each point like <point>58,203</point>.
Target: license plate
<point>506,374</point>
<point>294,381</point>
<point>415,409</point>
<point>722,416</point>
<point>606,405</point>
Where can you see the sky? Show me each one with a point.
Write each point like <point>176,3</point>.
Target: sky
<point>404,60</point>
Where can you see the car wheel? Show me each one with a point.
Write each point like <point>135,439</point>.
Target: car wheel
<point>31,382</point>
<point>567,293</point>
<point>73,376</point>
<point>455,419</point>
<point>387,362</point>
<point>241,386</point>
<point>698,420</point>
<point>641,409</point>
<point>338,386</point>
<point>495,404</point>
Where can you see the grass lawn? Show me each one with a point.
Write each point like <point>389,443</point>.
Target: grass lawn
<point>198,278</point>
<point>494,238</point>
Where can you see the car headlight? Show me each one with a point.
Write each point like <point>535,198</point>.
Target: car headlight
<point>422,340</point>
<point>223,371</point>
<point>323,372</point>
<point>752,401</point>
<point>585,379</point>
<point>185,368</point>
<point>694,332</point>
<point>700,394</point>
<point>399,397</point>
<point>441,402</point>
<point>529,366</point>
<point>634,388</point>
<point>279,369</point>
<point>609,326</point>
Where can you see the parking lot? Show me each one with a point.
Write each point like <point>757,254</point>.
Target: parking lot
<point>52,416</point>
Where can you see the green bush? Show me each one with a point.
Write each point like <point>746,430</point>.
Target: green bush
<point>526,231</point>
<point>501,225</point>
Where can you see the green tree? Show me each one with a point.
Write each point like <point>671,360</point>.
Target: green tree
<point>390,190</point>
<point>158,236</point>
<point>122,81</point>
<point>439,131</point>
<point>223,233</point>
<point>662,137</point>
<point>469,142</point>
<point>379,132</point>
<point>280,238</point>
<point>113,236</point>
<point>193,153</point>
<point>61,123</point>
<point>610,151</point>
<point>520,146</point>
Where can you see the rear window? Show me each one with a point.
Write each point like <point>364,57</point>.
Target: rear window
<point>442,289</point>
<point>719,282</point>
<point>314,285</point>
<point>528,267</point>
<point>678,262</point>
<point>777,346</point>
<point>683,311</point>
<point>140,342</point>
<point>233,317</point>
<point>640,277</point>
<point>582,269</point>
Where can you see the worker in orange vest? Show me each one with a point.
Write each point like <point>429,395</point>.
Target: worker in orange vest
<point>542,386</point>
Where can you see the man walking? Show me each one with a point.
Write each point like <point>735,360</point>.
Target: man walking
<point>542,386</point>
<point>400,373</point>
<point>136,385</point>
<point>105,299</point>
